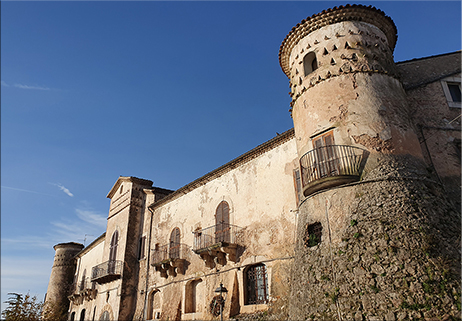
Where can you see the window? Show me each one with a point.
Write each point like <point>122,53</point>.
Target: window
<point>191,303</point>
<point>454,90</point>
<point>141,246</point>
<point>298,185</point>
<point>153,305</point>
<point>313,234</point>
<point>113,252</point>
<point>174,247</point>
<point>104,316</point>
<point>82,282</point>
<point>256,285</point>
<point>451,89</point>
<point>82,315</point>
<point>310,63</point>
<point>222,223</point>
<point>94,313</point>
<point>326,160</point>
<point>72,318</point>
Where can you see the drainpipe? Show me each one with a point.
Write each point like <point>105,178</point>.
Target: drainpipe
<point>147,264</point>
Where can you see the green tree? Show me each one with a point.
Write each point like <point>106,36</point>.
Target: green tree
<point>22,308</point>
<point>54,312</point>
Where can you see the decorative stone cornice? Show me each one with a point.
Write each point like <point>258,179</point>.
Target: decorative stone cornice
<point>348,12</point>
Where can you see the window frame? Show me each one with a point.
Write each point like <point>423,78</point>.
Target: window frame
<point>264,287</point>
<point>308,61</point>
<point>447,93</point>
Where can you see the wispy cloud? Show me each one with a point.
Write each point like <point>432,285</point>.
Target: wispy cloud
<point>87,222</point>
<point>27,242</point>
<point>92,217</point>
<point>5,84</point>
<point>30,87</point>
<point>24,190</point>
<point>65,190</point>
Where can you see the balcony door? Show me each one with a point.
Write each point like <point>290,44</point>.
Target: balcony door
<point>174,247</point>
<point>222,227</point>
<point>326,160</point>
<point>113,253</point>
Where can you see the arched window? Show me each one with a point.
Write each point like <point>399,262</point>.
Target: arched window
<point>104,316</point>
<point>72,318</point>
<point>222,223</point>
<point>256,284</point>
<point>113,252</point>
<point>191,296</point>
<point>82,315</point>
<point>153,305</point>
<point>310,63</point>
<point>94,314</point>
<point>174,247</point>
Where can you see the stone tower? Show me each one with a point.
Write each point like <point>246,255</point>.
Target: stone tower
<point>376,236</point>
<point>62,274</point>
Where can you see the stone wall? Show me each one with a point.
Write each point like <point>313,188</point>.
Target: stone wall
<point>390,250</point>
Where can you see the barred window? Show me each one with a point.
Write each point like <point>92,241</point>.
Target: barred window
<point>256,285</point>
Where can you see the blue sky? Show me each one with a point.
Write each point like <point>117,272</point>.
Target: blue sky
<point>165,91</point>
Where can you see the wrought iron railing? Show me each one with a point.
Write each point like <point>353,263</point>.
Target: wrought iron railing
<point>330,161</point>
<point>106,269</point>
<point>85,284</point>
<point>219,233</point>
<point>168,252</point>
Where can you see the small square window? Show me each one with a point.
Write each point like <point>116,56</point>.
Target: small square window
<point>451,88</point>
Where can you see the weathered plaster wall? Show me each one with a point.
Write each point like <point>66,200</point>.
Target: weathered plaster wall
<point>85,261</point>
<point>268,224</point>
<point>365,106</point>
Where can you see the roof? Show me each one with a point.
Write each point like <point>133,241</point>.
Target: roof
<point>136,180</point>
<point>421,71</point>
<point>257,151</point>
<point>355,12</point>
<point>91,245</point>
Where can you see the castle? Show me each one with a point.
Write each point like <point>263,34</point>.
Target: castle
<point>352,215</point>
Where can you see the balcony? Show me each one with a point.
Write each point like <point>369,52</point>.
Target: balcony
<point>330,166</point>
<point>169,259</point>
<point>218,243</point>
<point>84,289</point>
<point>107,272</point>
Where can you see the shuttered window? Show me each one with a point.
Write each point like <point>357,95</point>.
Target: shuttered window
<point>222,223</point>
<point>113,252</point>
<point>174,250</point>
<point>141,247</point>
<point>326,158</point>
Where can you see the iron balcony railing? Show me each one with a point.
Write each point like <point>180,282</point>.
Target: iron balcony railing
<point>107,271</point>
<point>219,233</point>
<point>85,284</point>
<point>331,161</point>
<point>168,252</point>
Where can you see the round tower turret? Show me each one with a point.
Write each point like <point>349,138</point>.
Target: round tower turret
<point>344,87</point>
<point>372,215</point>
<point>62,274</point>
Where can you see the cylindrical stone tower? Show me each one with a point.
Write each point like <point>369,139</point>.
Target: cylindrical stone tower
<point>62,274</point>
<point>370,231</point>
